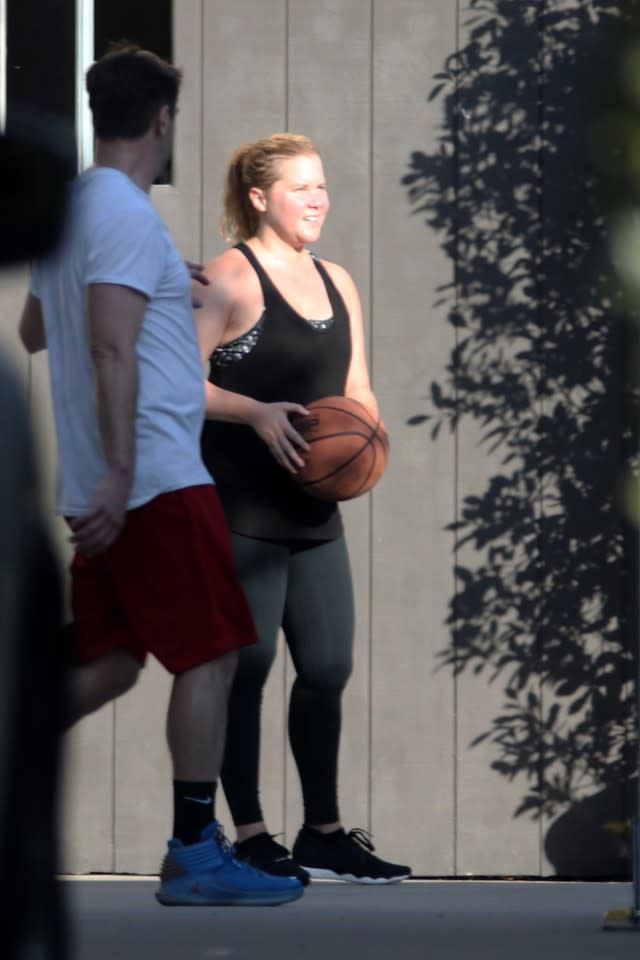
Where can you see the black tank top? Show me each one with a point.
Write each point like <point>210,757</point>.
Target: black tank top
<point>284,358</point>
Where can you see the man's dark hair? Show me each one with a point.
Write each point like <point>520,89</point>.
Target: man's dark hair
<point>126,88</point>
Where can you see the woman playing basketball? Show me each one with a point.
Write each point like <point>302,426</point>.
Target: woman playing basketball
<point>280,328</point>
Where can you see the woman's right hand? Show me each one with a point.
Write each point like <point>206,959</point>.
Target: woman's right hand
<point>272,424</point>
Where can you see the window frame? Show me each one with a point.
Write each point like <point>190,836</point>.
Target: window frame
<point>84,59</point>
<point>3,64</point>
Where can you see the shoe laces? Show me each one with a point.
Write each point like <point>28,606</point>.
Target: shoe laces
<point>228,851</point>
<point>226,848</point>
<point>362,837</point>
<point>264,845</point>
<point>280,846</point>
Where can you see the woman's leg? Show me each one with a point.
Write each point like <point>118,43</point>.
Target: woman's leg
<point>319,628</point>
<point>262,568</point>
<point>319,625</point>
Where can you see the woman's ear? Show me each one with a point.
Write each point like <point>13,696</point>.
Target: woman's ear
<point>258,199</point>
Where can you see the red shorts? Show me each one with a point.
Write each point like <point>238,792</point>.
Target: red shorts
<point>166,586</point>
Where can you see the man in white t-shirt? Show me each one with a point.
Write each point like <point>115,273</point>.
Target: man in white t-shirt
<point>152,569</point>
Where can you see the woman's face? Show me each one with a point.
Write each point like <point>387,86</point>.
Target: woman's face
<point>298,202</point>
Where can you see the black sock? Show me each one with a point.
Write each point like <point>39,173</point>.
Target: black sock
<point>193,808</point>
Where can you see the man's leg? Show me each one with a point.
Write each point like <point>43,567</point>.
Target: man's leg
<point>173,576</point>
<point>200,867</point>
<point>98,682</point>
<point>197,718</point>
<point>196,728</point>
<point>100,647</point>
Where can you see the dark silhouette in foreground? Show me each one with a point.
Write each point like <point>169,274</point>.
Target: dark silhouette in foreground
<point>34,163</point>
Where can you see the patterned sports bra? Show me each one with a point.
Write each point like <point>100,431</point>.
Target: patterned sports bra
<point>235,350</point>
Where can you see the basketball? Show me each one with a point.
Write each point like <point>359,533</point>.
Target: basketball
<point>348,451</point>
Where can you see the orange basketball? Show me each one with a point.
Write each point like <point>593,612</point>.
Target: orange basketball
<point>348,451</point>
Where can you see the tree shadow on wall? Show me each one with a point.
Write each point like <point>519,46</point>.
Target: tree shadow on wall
<point>543,601</point>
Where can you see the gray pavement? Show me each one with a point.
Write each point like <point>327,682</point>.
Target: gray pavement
<point>119,919</point>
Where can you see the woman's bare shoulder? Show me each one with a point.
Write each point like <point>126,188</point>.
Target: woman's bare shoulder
<point>227,279</point>
<point>229,264</point>
<point>341,277</point>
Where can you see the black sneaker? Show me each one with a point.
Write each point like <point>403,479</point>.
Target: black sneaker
<point>262,852</point>
<point>344,856</point>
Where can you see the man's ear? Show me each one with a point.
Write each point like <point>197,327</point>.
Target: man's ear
<point>258,199</point>
<point>162,120</point>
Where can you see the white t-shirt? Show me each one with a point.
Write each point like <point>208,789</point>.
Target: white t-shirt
<point>115,235</point>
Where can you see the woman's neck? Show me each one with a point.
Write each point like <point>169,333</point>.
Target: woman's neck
<point>276,249</point>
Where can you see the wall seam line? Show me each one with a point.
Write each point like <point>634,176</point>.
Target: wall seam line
<point>371,360</point>
<point>285,665</point>
<point>456,448</point>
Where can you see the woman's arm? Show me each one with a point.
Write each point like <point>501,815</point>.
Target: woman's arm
<point>213,320</point>
<point>358,385</point>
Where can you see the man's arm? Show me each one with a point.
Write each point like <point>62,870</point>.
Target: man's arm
<point>31,327</point>
<point>115,315</point>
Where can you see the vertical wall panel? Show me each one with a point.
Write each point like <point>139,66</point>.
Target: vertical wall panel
<point>586,621</point>
<point>180,203</point>
<point>244,91</point>
<point>329,100</point>
<point>13,288</point>
<point>88,815</point>
<point>412,702</point>
<point>143,793</point>
<point>497,546</point>
<point>244,98</point>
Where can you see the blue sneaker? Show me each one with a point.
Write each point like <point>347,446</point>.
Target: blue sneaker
<point>207,874</point>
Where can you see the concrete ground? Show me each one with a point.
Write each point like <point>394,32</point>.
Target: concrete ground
<point>119,919</point>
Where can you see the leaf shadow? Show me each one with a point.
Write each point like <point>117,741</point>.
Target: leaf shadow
<point>544,561</point>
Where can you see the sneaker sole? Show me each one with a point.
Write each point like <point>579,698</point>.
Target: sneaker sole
<point>193,900</point>
<point>318,873</point>
<point>266,868</point>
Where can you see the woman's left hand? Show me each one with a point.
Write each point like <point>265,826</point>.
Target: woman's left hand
<point>272,423</point>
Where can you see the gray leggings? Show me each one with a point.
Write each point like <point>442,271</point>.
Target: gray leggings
<point>305,588</point>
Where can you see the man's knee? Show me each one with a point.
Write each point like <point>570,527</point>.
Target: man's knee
<point>121,673</point>
<point>227,664</point>
<point>212,674</point>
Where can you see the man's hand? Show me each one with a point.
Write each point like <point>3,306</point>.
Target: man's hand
<point>95,530</point>
<point>272,424</point>
<point>32,331</point>
<point>196,273</point>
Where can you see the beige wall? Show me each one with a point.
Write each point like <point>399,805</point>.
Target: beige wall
<point>355,75</point>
